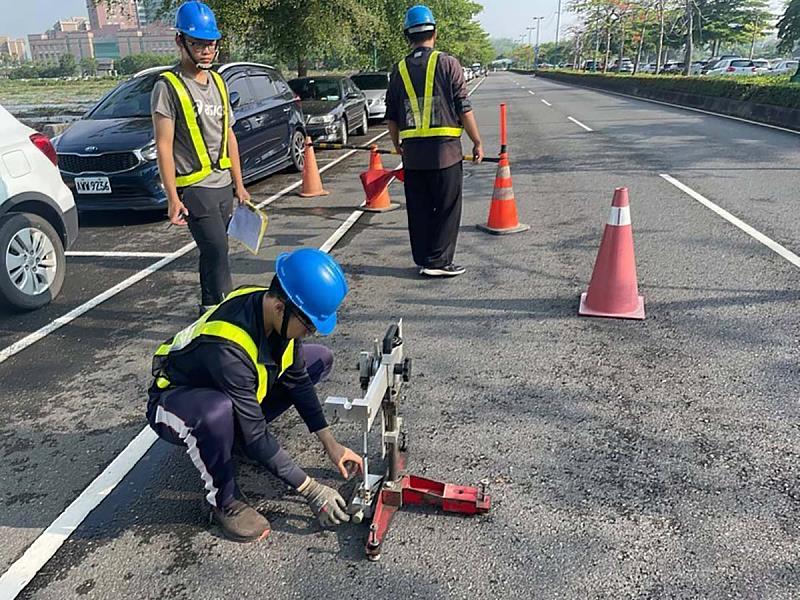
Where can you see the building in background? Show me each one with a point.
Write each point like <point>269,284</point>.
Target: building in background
<point>68,36</point>
<point>120,14</point>
<point>148,13</point>
<point>153,39</point>
<point>13,49</point>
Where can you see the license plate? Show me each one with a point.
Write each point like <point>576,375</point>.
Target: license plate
<point>92,185</point>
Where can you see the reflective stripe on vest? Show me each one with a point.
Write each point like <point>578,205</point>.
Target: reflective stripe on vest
<point>228,332</point>
<point>422,122</point>
<point>187,107</point>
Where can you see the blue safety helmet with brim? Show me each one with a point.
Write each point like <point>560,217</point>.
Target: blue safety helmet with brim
<point>314,284</point>
<point>418,19</point>
<point>197,20</point>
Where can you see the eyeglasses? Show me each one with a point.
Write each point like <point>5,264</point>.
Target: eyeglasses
<point>304,321</point>
<point>202,44</point>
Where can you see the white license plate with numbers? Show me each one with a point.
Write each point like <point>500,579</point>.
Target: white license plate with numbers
<point>92,185</point>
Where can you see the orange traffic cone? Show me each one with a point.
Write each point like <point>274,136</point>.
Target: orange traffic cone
<point>503,209</point>
<point>378,200</point>
<point>312,182</point>
<point>613,290</point>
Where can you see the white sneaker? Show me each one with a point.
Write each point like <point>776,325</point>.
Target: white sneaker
<point>450,270</point>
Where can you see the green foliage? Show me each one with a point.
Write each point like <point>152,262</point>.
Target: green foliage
<point>89,66</point>
<point>763,89</point>
<point>136,62</point>
<point>789,27</point>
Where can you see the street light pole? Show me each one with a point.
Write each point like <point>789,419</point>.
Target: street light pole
<point>536,49</point>
<point>529,45</point>
<point>558,30</point>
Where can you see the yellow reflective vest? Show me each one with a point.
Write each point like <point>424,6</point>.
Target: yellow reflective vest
<point>422,120</point>
<point>202,160</point>
<point>207,327</point>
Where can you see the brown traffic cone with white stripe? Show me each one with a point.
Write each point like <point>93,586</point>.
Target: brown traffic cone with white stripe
<point>613,290</point>
<point>503,209</point>
<point>312,182</point>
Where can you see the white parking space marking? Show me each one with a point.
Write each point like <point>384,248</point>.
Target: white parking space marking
<point>752,232</point>
<point>579,124</point>
<point>531,92</point>
<point>90,254</point>
<point>14,580</point>
<point>545,102</point>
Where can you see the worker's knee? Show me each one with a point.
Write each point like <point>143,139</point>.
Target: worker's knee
<point>319,362</point>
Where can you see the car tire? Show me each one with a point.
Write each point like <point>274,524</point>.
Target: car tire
<point>364,127</point>
<point>297,150</point>
<point>343,132</point>
<point>25,283</point>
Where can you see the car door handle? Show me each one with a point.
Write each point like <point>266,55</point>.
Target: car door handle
<point>287,109</point>
<point>259,119</point>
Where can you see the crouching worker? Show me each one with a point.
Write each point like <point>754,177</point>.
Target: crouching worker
<point>219,381</point>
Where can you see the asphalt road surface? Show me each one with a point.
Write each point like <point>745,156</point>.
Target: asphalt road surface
<point>652,459</point>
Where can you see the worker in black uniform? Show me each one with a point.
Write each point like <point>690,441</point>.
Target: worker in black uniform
<point>219,381</point>
<point>197,151</point>
<point>427,108</point>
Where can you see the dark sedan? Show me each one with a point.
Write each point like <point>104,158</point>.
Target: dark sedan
<point>334,107</point>
<point>108,158</point>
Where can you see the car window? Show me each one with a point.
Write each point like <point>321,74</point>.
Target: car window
<point>280,83</point>
<point>316,89</point>
<point>372,81</point>
<point>263,88</point>
<point>741,63</point>
<point>791,63</point>
<point>240,85</point>
<point>130,99</point>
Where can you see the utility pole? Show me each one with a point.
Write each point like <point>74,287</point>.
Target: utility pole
<point>529,45</point>
<point>687,69</point>
<point>536,48</point>
<point>558,31</point>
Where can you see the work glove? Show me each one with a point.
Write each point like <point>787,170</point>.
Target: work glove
<point>325,502</point>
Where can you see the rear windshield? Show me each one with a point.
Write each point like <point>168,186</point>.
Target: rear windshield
<point>741,63</point>
<point>371,82</point>
<point>131,99</point>
<point>316,89</point>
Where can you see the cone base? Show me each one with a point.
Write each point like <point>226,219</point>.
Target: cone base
<point>392,206</point>
<point>637,314</point>
<point>495,231</point>
<point>313,194</point>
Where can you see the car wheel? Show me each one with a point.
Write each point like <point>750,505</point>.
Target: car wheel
<point>343,132</point>
<point>33,261</point>
<point>364,127</point>
<point>298,150</point>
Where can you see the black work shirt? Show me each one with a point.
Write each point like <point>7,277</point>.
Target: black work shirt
<point>216,363</point>
<point>451,87</point>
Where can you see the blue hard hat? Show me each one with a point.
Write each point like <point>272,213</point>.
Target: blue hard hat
<point>197,20</point>
<point>314,283</point>
<point>419,18</point>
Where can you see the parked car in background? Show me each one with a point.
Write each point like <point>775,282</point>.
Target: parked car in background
<point>673,68</point>
<point>626,66</point>
<point>38,218</point>
<point>468,74</point>
<point>108,158</point>
<point>374,86</point>
<point>334,107</point>
<point>785,66</point>
<point>734,66</point>
<point>647,68</point>
<point>712,62</point>
<point>591,65</point>
<point>697,67</point>
<point>762,65</point>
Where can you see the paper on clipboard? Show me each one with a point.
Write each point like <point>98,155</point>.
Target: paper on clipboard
<point>248,225</point>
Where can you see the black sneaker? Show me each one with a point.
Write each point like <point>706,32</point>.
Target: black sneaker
<point>241,522</point>
<point>450,270</point>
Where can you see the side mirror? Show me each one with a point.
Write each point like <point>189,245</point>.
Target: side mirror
<point>235,99</point>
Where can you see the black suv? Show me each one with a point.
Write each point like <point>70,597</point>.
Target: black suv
<point>108,158</point>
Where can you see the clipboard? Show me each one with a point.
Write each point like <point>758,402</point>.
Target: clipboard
<point>248,225</point>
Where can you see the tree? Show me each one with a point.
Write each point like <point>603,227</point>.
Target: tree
<point>789,27</point>
<point>67,65</point>
<point>89,66</point>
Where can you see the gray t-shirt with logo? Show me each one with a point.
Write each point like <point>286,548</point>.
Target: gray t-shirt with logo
<point>210,118</point>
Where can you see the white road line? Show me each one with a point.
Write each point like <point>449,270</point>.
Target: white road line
<point>532,93</point>
<point>579,124</point>
<point>754,233</point>
<point>59,322</point>
<point>14,580</point>
<point>545,102</point>
<point>102,254</point>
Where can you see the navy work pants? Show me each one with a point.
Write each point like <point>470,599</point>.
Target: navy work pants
<point>202,420</point>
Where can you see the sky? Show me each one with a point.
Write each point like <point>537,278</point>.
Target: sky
<point>501,18</point>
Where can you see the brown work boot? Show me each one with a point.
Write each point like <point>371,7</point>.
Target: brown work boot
<point>241,522</point>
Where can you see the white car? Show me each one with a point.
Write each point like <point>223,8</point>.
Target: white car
<point>38,218</point>
<point>762,65</point>
<point>785,66</point>
<point>647,68</point>
<point>734,66</point>
<point>374,85</point>
<point>468,74</point>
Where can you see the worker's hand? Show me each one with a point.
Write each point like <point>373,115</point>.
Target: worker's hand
<point>345,460</point>
<point>242,194</point>
<point>177,213</point>
<point>477,153</point>
<point>325,502</point>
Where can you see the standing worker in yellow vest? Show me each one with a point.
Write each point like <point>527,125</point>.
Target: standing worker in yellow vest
<point>427,108</point>
<point>197,149</point>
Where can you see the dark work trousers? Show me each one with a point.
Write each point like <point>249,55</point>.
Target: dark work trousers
<point>210,211</point>
<point>433,203</point>
<point>202,420</point>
